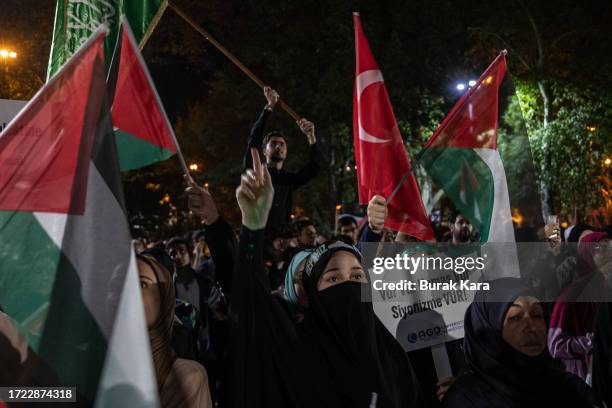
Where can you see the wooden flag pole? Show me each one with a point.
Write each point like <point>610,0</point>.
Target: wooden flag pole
<point>231,56</point>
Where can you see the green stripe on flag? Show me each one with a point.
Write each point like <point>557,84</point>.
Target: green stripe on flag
<point>135,152</point>
<point>41,292</point>
<point>468,182</point>
<point>28,264</point>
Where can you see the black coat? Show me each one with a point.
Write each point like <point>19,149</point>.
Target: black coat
<point>284,182</point>
<point>278,363</point>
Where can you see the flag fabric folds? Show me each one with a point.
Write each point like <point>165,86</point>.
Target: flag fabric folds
<point>144,134</point>
<point>380,154</point>
<point>68,275</point>
<point>462,158</point>
<point>75,20</point>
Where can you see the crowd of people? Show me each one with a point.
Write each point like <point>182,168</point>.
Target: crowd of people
<point>274,314</point>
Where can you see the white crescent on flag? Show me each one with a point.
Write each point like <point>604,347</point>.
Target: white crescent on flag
<point>365,79</point>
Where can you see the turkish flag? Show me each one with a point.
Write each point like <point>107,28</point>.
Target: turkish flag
<point>380,154</point>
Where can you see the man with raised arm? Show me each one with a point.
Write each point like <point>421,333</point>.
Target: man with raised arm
<point>273,146</point>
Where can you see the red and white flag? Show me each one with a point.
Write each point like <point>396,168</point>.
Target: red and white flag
<point>380,154</point>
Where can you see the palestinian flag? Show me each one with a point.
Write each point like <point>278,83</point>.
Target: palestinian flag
<point>462,158</point>
<point>75,20</point>
<point>68,277</point>
<point>143,132</point>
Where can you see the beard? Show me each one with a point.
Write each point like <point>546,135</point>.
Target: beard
<point>463,235</point>
<point>276,157</point>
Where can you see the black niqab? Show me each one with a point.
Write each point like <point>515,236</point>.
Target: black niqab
<point>365,362</point>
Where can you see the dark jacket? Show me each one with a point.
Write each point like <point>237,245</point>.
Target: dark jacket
<point>278,363</point>
<point>284,182</point>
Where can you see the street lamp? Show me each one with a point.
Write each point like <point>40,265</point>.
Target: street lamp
<point>461,85</point>
<point>4,54</point>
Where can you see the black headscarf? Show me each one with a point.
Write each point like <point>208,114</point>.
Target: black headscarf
<point>501,376</point>
<point>602,354</point>
<point>366,364</point>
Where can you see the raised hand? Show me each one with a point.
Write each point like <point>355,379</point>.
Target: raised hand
<point>308,129</point>
<point>201,203</point>
<point>377,213</point>
<point>271,96</point>
<point>254,194</point>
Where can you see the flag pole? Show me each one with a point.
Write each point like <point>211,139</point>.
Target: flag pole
<point>230,56</point>
<point>403,179</point>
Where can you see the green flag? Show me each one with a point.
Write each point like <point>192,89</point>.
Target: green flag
<point>76,20</point>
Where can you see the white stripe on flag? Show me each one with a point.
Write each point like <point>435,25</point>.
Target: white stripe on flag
<point>129,361</point>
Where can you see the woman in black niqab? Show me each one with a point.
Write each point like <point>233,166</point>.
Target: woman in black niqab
<point>367,366</point>
<point>339,356</point>
<point>500,375</point>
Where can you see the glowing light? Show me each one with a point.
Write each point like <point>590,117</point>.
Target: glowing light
<point>460,87</point>
<point>608,161</point>
<point>338,207</point>
<point>193,167</point>
<point>12,54</point>
<point>206,185</point>
<point>4,53</point>
<point>348,168</point>
<point>517,217</point>
<point>472,83</point>
<point>488,80</point>
<point>591,128</point>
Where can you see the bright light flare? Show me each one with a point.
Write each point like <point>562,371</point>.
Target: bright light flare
<point>460,87</point>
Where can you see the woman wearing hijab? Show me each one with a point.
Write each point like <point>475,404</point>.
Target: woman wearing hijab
<point>505,348</point>
<point>602,337</point>
<point>570,337</point>
<point>181,383</point>
<point>339,356</point>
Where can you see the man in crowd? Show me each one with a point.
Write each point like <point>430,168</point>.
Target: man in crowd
<point>347,227</point>
<point>187,287</point>
<point>274,148</point>
<point>460,228</point>
<point>306,233</point>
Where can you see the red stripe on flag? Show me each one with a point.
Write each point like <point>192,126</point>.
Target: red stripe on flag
<point>137,109</point>
<point>45,150</point>
<point>472,123</point>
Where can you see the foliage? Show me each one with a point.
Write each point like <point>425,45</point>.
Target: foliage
<point>306,52</point>
<point>571,150</point>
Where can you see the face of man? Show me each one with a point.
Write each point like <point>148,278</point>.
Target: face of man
<point>461,229</point>
<point>275,150</point>
<point>349,231</point>
<point>307,236</point>
<point>180,255</point>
